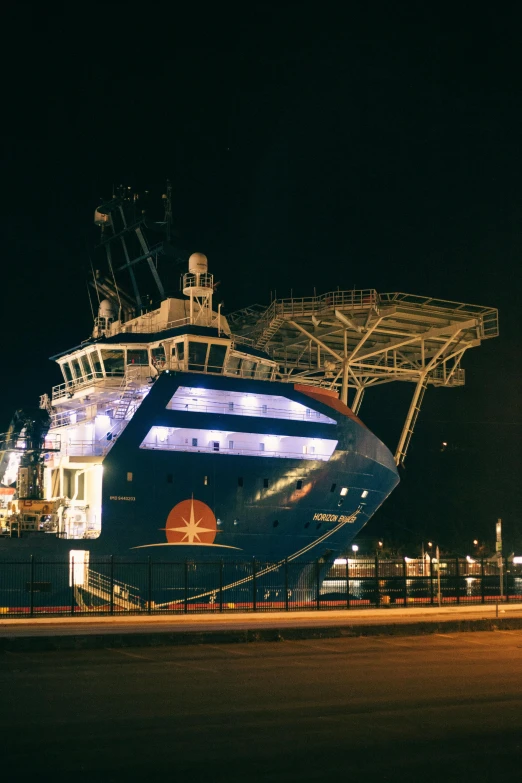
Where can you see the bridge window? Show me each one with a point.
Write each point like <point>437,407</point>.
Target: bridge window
<point>76,369</point>
<point>67,374</point>
<point>113,362</point>
<point>139,356</point>
<point>216,357</point>
<point>233,365</point>
<point>264,371</point>
<point>96,364</point>
<point>197,355</point>
<point>248,368</point>
<point>84,363</point>
<point>158,356</point>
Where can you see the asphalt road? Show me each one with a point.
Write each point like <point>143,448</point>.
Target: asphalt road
<point>445,707</point>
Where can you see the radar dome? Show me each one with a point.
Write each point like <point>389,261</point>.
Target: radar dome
<point>107,309</point>
<point>198,263</point>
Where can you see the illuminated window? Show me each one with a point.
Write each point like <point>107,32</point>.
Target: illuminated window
<point>205,480</point>
<point>365,494</point>
<point>238,403</point>
<point>246,444</point>
<point>129,476</point>
<point>344,491</point>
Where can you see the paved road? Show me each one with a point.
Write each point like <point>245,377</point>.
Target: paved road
<point>129,624</point>
<point>446,707</point>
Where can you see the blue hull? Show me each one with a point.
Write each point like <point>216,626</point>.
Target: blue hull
<point>266,507</point>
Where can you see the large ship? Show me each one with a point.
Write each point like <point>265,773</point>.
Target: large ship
<point>181,434</point>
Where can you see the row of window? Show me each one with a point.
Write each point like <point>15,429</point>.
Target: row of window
<point>266,484</point>
<point>192,355</point>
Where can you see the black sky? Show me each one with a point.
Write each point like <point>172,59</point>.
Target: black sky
<point>308,146</point>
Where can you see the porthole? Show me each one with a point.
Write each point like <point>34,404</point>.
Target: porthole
<point>307,524</point>
<point>332,488</point>
<point>275,523</point>
<point>319,524</point>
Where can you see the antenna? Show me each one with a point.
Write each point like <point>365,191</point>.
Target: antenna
<point>167,197</point>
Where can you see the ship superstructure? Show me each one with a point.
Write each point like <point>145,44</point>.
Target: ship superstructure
<point>179,432</point>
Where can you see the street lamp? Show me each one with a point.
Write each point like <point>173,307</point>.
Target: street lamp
<point>355,548</point>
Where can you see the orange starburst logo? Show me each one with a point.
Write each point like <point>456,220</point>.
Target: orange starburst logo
<point>191,522</point>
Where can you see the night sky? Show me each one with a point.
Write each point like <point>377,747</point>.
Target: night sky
<point>308,147</point>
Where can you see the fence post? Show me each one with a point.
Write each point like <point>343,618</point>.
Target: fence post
<point>254,585</point>
<point>457,578</point>
<point>431,580</point>
<point>347,583</point>
<point>31,586</point>
<point>149,586</point>
<point>286,584</point>
<point>72,584</point>
<point>185,588</point>
<point>317,594</point>
<point>482,585</point>
<point>221,568</point>
<point>377,590</point>
<point>507,579</point>
<point>405,578</point>
<point>112,585</point>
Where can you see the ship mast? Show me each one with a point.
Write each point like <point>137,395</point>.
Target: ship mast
<point>122,227</point>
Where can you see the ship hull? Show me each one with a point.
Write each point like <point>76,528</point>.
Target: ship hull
<point>231,507</point>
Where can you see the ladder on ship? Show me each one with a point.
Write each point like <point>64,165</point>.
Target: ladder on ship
<point>269,331</point>
<point>411,420</point>
<point>129,394</point>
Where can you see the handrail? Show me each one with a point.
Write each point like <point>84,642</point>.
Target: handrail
<point>241,410</point>
<point>236,452</point>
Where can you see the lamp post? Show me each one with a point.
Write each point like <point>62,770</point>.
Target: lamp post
<point>437,554</point>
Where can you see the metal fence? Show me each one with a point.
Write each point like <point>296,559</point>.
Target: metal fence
<point>115,585</point>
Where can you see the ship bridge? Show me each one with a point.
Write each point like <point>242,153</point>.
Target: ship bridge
<point>357,339</point>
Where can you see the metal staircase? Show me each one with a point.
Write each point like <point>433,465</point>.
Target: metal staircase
<point>269,331</point>
<point>100,587</point>
<point>129,394</point>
